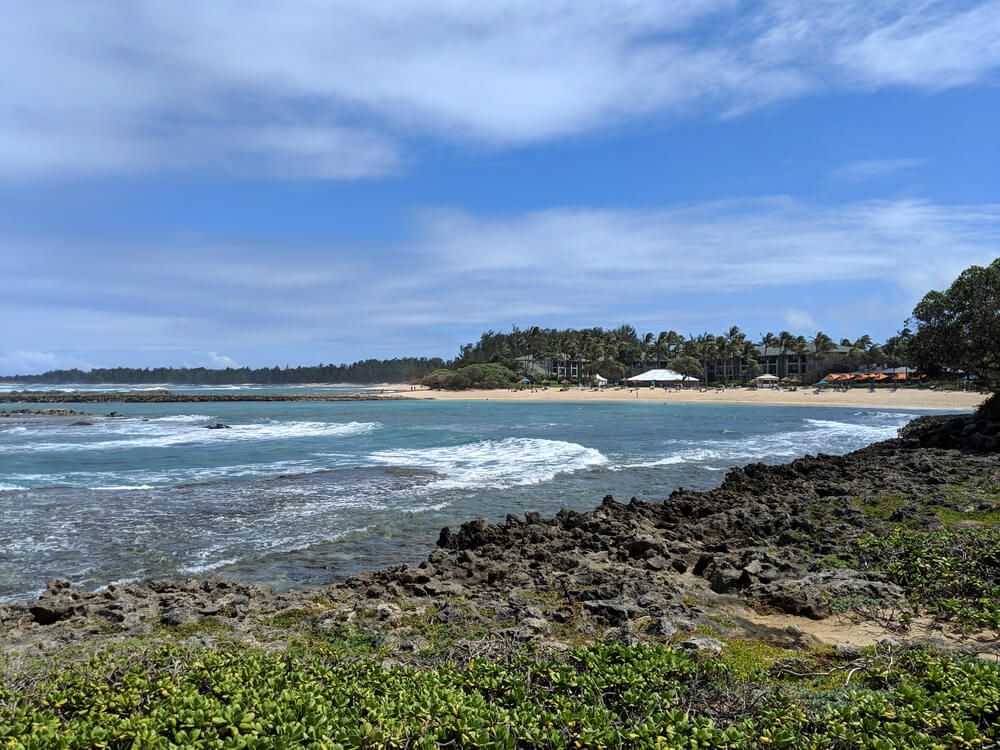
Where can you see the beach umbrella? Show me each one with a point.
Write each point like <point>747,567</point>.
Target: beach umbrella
<point>525,380</point>
<point>768,378</point>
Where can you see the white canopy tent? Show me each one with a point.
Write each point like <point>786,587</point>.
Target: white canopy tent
<point>766,378</point>
<point>662,376</point>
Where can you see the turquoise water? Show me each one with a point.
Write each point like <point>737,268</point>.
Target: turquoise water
<point>303,493</point>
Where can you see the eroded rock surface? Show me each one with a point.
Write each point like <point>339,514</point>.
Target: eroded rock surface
<point>771,537</point>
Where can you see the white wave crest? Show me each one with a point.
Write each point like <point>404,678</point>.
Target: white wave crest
<point>157,434</point>
<point>665,461</point>
<point>120,487</point>
<point>496,463</point>
<point>818,436</point>
<point>184,418</point>
<point>205,568</point>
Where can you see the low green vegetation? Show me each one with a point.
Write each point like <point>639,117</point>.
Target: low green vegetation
<point>951,572</point>
<point>605,695</point>
<point>485,375</point>
<point>882,507</point>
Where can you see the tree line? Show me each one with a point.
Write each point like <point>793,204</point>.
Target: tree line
<point>615,353</point>
<point>399,370</point>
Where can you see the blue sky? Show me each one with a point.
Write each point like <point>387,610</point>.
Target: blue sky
<point>269,183</point>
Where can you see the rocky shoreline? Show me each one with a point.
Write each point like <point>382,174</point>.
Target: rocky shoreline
<point>771,541</point>
<point>170,397</point>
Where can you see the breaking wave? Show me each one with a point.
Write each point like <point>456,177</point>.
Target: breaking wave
<point>496,463</point>
<point>188,430</point>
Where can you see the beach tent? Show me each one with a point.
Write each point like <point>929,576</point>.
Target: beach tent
<point>661,376</point>
<point>598,378</point>
<point>768,378</point>
<point>525,380</point>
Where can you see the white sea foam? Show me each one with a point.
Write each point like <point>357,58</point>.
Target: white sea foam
<point>184,418</point>
<point>119,487</point>
<point>425,508</point>
<point>127,434</point>
<point>817,435</point>
<point>10,487</point>
<point>150,478</point>
<point>665,461</point>
<point>496,463</point>
<point>206,567</point>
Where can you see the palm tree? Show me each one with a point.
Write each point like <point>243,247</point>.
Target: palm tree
<point>734,339</point>
<point>675,342</point>
<point>751,367</point>
<point>860,347</point>
<point>822,345</point>
<point>785,340</point>
<point>703,347</point>
<point>767,340</point>
<point>662,347</point>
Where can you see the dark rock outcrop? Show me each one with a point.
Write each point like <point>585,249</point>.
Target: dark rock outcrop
<point>768,536</point>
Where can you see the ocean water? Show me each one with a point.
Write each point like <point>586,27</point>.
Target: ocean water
<point>305,493</point>
<point>318,388</point>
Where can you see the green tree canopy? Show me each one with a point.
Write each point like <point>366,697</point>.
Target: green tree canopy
<point>959,328</point>
<point>686,365</point>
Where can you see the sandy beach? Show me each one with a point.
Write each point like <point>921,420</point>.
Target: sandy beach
<point>903,398</point>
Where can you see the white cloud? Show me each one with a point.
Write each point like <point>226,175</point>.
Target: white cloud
<point>722,246</point>
<point>220,360</point>
<point>694,267</point>
<point>319,90</point>
<point>28,362</point>
<point>937,47</point>
<point>800,320</point>
<point>868,169</point>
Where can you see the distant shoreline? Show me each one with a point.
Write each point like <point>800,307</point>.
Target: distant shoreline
<point>172,397</point>
<point>904,398</point>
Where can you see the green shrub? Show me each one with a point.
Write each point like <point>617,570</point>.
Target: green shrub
<point>486,376</point>
<point>954,573</point>
<point>600,696</point>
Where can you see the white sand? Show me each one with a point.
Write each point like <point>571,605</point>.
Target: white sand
<point>882,398</point>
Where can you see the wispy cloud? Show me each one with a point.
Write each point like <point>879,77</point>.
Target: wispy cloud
<point>800,320</point>
<point>869,169</point>
<point>335,91</point>
<point>727,245</point>
<point>27,362</point>
<point>699,266</point>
